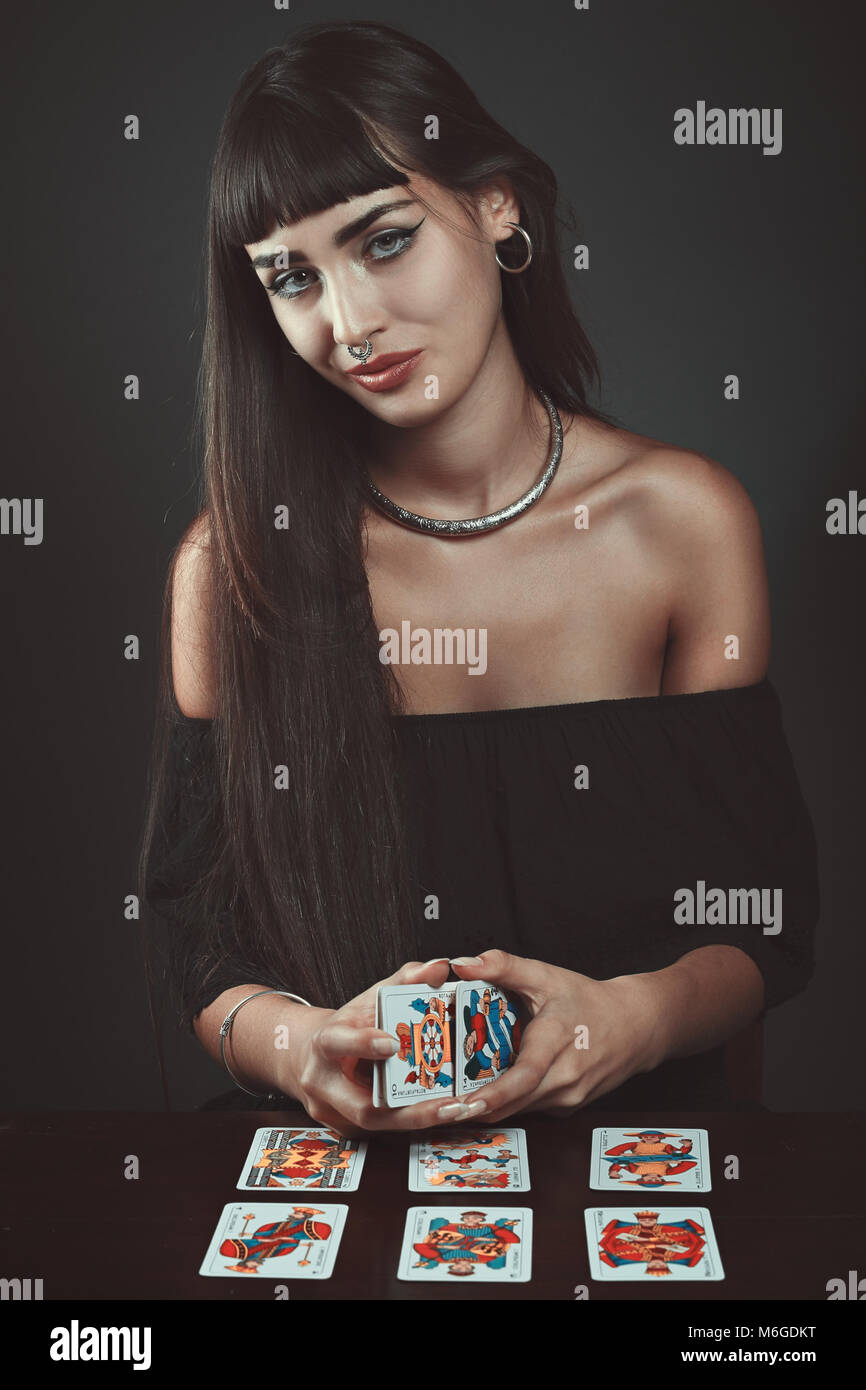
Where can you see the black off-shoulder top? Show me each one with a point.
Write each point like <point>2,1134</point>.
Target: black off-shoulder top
<point>574,834</point>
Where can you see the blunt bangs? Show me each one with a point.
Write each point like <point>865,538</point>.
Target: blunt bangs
<point>283,158</point>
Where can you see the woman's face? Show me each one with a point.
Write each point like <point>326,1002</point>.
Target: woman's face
<point>407,280</point>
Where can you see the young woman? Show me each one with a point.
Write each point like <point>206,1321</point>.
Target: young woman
<point>398,445</point>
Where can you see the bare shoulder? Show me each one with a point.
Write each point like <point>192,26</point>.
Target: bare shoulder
<point>699,526</point>
<point>191,639</point>
<point>696,515</point>
<point>669,501</point>
<point>682,491</point>
<point>643,473</point>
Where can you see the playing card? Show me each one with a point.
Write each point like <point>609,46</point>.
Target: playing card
<point>474,1160</point>
<point>302,1158</point>
<point>652,1245</point>
<point>275,1240</point>
<point>487,1029</point>
<point>675,1160</point>
<point>421,1018</point>
<point>493,1245</point>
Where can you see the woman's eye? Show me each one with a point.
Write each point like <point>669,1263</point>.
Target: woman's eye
<point>286,287</point>
<point>392,244</point>
<point>402,238</point>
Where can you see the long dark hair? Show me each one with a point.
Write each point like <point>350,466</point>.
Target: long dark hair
<point>313,883</point>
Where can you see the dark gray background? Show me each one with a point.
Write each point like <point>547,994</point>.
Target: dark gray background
<point>704,261</point>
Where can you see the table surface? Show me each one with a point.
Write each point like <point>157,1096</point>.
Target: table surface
<point>791,1221</point>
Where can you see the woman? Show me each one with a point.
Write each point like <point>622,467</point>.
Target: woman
<point>390,347</point>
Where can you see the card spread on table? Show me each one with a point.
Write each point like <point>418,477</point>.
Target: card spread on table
<point>655,1246</point>
<point>311,1159</point>
<point>470,1159</point>
<point>487,1029</point>
<point>663,1159</point>
<point>444,1244</point>
<point>275,1240</point>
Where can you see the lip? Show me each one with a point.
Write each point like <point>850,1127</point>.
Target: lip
<point>389,368</point>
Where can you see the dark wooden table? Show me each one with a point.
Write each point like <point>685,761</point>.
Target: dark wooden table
<point>792,1220</point>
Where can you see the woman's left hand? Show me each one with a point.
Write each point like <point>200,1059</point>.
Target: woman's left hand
<point>583,1038</point>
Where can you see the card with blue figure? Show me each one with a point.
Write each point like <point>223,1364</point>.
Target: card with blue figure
<point>275,1240</point>
<point>448,1245</point>
<point>488,1025</point>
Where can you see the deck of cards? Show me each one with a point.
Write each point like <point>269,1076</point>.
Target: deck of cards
<point>298,1237</point>
<point>452,1040</point>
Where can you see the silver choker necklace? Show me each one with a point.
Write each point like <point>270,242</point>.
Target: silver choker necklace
<point>473,526</point>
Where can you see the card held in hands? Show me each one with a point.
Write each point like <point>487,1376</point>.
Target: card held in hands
<point>487,1028</point>
<point>421,1018</point>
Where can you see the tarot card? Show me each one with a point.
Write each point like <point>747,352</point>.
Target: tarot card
<point>487,1027</point>
<point>653,1246</point>
<point>421,1018</point>
<point>493,1160</point>
<point>275,1240</point>
<point>493,1245</point>
<point>310,1159</point>
<point>676,1160</point>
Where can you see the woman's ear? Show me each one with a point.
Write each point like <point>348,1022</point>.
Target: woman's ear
<point>499,206</point>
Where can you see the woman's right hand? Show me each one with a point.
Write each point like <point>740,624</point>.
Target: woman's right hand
<point>325,1064</point>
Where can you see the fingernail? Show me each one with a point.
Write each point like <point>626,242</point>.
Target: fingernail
<point>454,1110</point>
<point>385,1047</point>
<point>467,960</point>
<point>460,1110</point>
<point>437,960</point>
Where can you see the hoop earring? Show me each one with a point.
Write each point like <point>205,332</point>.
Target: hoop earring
<point>517,270</point>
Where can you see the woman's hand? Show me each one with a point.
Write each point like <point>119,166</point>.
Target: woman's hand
<point>584,1037</point>
<point>328,1066</point>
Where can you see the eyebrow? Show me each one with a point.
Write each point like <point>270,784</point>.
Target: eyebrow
<point>340,238</point>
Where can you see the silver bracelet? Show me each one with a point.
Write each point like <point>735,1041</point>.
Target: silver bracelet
<point>226,1029</point>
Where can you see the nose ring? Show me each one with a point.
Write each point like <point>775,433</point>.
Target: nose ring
<point>361,353</point>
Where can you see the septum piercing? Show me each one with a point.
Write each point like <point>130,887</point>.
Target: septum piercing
<point>361,353</point>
